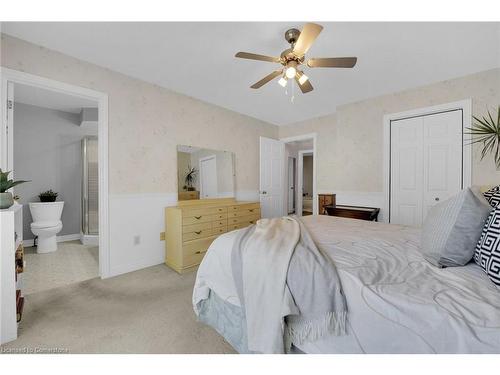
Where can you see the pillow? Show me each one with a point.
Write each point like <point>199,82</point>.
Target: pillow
<point>487,254</point>
<point>493,196</point>
<point>452,229</point>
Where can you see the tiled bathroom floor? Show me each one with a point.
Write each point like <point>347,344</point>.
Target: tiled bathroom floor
<point>71,263</point>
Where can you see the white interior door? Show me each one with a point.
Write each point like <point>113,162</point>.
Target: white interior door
<point>272,163</point>
<point>406,171</point>
<point>442,147</point>
<point>426,164</point>
<point>208,177</point>
<point>291,184</point>
<point>7,146</point>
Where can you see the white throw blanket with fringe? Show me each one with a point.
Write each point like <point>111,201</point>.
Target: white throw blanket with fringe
<point>289,290</point>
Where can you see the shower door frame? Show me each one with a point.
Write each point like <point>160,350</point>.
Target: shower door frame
<point>6,143</point>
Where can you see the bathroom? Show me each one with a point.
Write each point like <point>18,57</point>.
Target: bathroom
<point>55,148</point>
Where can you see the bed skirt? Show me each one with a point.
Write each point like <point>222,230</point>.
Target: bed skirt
<point>228,320</point>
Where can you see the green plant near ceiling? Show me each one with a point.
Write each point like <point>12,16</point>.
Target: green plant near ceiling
<point>486,130</point>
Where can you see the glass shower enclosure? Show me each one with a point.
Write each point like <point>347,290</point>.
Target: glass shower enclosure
<point>90,188</point>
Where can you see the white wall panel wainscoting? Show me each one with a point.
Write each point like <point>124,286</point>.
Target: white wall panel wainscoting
<point>136,221</point>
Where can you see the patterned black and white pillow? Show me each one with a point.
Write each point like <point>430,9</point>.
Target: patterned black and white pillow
<point>487,254</point>
<point>493,196</point>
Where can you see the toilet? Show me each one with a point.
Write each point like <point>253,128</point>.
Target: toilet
<point>46,224</point>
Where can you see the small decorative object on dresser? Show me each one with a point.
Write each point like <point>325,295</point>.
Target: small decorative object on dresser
<point>325,200</point>
<point>354,212</point>
<point>191,227</point>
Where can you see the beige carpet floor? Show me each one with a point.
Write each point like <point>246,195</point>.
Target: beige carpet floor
<point>72,262</point>
<point>147,311</point>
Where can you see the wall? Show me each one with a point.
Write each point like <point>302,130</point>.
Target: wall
<point>350,142</point>
<point>47,151</point>
<point>146,123</point>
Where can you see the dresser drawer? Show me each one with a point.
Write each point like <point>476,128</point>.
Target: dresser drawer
<point>202,233</point>
<point>189,212</point>
<point>197,246</point>
<point>245,212</point>
<point>219,230</point>
<point>219,223</point>
<point>238,226</point>
<point>193,259</point>
<point>251,219</point>
<point>242,207</point>
<point>202,219</point>
<point>196,227</point>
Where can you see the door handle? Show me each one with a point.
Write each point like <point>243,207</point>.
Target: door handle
<point>264,192</point>
<point>436,199</point>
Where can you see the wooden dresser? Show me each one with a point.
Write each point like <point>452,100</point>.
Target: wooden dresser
<point>191,227</point>
<point>325,200</point>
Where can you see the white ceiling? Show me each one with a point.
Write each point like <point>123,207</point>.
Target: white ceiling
<point>197,59</point>
<point>50,99</point>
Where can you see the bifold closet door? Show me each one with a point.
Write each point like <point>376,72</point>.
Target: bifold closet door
<point>426,164</point>
<point>442,149</point>
<point>407,171</point>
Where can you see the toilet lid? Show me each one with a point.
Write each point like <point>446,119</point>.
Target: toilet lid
<point>45,224</point>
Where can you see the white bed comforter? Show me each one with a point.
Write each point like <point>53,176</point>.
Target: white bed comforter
<point>397,302</point>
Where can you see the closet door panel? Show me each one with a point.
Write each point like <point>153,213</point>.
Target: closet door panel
<point>406,171</point>
<point>442,145</point>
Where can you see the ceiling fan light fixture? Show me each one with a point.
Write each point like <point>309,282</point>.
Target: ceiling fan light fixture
<point>291,69</point>
<point>303,78</point>
<point>283,81</point>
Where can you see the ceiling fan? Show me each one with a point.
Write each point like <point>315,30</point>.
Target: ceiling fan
<point>293,57</point>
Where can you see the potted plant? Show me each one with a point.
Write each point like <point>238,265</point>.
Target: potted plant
<point>6,199</point>
<point>48,196</point>
<point>190,178</point>
<point>486,130</point>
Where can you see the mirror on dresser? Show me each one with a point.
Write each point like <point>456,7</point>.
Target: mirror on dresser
<point>204,173</point>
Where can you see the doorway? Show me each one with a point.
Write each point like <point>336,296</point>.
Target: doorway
<point>305,182</point>
<point>292,167</point>
<point>426,160</point>
<point>279,181</point>
<point>208,177</point>
<point>39,88</point>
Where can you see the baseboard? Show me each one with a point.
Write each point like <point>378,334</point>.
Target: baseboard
<point>89,239</point>
<point>63,238</point>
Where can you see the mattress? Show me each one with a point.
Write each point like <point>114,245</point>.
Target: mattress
<point>397,301</point>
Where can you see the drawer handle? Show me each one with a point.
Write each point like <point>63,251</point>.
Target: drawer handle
<point>197,217</point>
<point>251,221</point>
<point>201,252</point>
<point>251,210</point>
<point>199,232</point>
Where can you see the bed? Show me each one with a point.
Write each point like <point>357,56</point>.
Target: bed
<point>396,301</point>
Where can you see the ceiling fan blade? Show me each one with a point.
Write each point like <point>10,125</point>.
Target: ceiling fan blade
<point>266,79</point>
<point>306,38</point>
<point>305,87</point>
<point>332,62</point>
<point>254,56</point>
